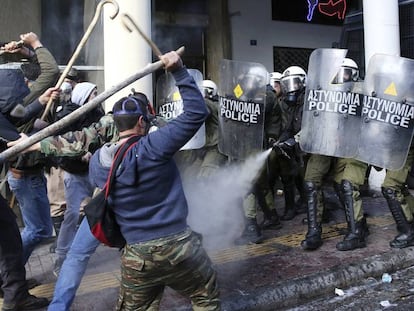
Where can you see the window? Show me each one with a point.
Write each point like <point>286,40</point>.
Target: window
<point>284,57</point>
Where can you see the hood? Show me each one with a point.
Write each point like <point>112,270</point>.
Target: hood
<point>7,130</point>
<point>12,89</point>
<point>102,160</point>
<point>81,92</point>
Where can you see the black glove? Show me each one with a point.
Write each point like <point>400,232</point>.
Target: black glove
<point>271,141</point>
<point>288,144</point>
<point>280,148</point>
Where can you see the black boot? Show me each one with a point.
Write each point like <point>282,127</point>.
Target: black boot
<point>290,207</point>
<point>30,302</point>
<point>57,222</point>
<point>251,233</point>
<point>341,200</point>
<point>406,230</point>
<point>302,202</point>
<point>271,220</point>
<point>357,231</point>
<point>313,239</point>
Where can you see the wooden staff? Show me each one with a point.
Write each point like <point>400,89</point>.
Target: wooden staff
<point>127,20</point>
<point>80,46</point>
<point>73,116</point>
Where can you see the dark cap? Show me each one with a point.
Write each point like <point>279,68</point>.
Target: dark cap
<point>73,74</point>
<point>130,105</point>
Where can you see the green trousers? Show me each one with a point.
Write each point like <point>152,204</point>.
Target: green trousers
<point>353,171</point>
<point>395,180</point>
<point>317,168</point>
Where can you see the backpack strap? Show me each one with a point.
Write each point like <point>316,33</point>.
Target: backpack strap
<point>119,156</point>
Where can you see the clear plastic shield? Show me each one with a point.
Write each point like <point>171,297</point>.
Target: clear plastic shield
<point>388,111</point>
<point>332,111</point>
<point>169,104</point>
<point>242,94</point>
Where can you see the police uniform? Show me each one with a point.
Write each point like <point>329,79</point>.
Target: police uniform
<point>398,199</point>
<point>351,175</point>
<point>290,168</point>
<point>262,192</point>
<point>317,168</point>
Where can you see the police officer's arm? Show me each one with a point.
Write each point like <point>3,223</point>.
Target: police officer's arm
<point>273,123</point>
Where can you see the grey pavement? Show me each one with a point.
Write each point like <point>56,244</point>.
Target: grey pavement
<point>274,275</point>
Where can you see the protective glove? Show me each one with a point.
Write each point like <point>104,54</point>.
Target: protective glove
<point>278,147</point>
<point>271,141</point>
<point>287,144</point>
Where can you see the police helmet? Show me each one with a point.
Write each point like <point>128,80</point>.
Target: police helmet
<point>275,77</point>
<point>209,88</point>
<point>293,79</point>
<point>255,77</point>
<point>348,72</point>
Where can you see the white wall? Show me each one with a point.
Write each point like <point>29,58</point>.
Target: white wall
<point>270,33</point>
<point>18,17</point>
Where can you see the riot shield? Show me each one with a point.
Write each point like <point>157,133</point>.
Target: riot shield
<point>242,94</point>
<point>332,111</point>
<point>388,111</point>
<point>169,104</point>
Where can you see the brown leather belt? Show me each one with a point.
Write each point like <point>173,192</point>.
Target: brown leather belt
<point>19,174</point>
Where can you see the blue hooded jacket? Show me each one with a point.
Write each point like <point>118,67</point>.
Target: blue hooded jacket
<point>148,196</point>
<point>12,91</point>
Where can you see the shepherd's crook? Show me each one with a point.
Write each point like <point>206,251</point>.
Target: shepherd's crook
<point>126,19</point>
<point>57,126</point>
<point>80,46</point>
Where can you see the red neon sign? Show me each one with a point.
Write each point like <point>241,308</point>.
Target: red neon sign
<point>330,8</point>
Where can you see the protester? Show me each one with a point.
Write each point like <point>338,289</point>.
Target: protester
<point>150,206</point>
<point>84,243</point>
<point>77,187</point>
<point>14,287</point>
<point>26,173</point>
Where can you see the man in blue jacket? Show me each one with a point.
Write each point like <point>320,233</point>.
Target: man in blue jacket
<point>150,206</point>
<point>151,210</point>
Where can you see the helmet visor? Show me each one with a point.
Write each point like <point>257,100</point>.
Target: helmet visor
<point>291,83</point>
<point>346,74</point>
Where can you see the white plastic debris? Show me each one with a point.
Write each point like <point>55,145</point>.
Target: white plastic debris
<point>386,304</point>
<point>339,292</point>
<point>386,278</point>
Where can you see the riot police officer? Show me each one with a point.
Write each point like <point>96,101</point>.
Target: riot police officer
<point>318,166</point>
<point>397,196</point>
<point>293,83</point>
<point>260,193</point>
<point>275,83</point>
<point>211,159</point>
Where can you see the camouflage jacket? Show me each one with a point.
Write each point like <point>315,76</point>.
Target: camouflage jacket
<point>88,139</point>
<point>77,143</point>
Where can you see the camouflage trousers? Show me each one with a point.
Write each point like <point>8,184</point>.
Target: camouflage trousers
<point>179,262</point>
